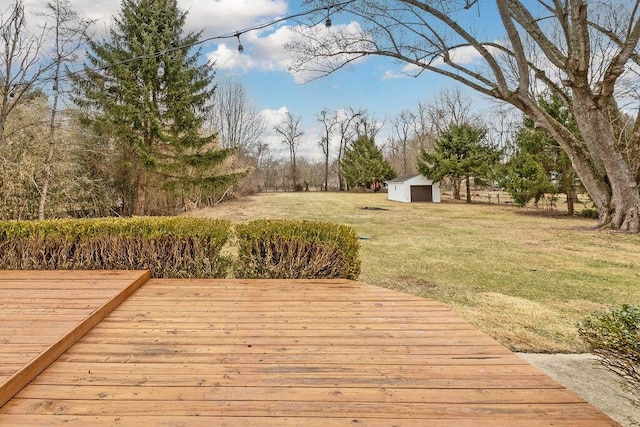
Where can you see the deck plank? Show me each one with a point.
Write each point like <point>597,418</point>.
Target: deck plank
<point>47,312</point>
<point>288,353</point>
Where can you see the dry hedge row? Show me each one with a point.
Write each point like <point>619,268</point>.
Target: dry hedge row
<point>293,249</point>
<point>183,247</point>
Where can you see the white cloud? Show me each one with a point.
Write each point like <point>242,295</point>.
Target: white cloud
<point>465,55</point>
<point>265,53</point>
<point>214,17</point>
<point>219,17</point>
<point>308,147</point>
<point>391,75</point>
<point>274,117</point>
<point>265,50</point>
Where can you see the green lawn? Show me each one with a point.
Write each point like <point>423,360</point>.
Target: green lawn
<point>522,276</point>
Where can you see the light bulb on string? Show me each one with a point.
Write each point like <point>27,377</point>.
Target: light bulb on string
<point>240,47</point>
<point>328,22</point>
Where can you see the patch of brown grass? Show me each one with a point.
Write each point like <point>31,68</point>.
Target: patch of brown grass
<point>524,279</point>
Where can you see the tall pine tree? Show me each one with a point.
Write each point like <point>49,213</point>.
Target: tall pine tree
<point>364,166</point>
<point>540,166</point>
<point>145,85</point>
<point>461,154</point>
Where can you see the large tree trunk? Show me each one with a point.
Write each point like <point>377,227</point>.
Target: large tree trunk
<point>593,176</point>
<point>622,209</point>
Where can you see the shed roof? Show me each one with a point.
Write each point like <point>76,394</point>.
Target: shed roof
<point>403,178</point>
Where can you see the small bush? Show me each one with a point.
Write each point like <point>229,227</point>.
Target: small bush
<point>589,213</point>
<point>292,249</point>
<point>614,335</point>
<point>168,247</point>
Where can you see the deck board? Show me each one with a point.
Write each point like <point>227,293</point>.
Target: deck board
<point>43,313</point>
<point>288,353</point>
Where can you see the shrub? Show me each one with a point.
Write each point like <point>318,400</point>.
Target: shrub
<point>614,335</point>
<point>293,249</point>
<point>589,213</point>
<point>168,247</point>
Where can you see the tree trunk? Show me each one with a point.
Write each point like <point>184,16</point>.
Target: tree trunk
<point>467,182</point>
<point>3,124</point>
<point>47,175</point>
<point>455,183</point>
<point>326,170</point>
<point>570,202</point>
<point>50,150</point>
<point>141,193</point>
<point>622,209</point>
<point>339,165</point>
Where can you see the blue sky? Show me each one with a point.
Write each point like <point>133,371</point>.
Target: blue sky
<point>377,84</point>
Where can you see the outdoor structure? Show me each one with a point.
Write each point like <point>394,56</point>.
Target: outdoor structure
<point>413,188</point>
<point>98,348</point>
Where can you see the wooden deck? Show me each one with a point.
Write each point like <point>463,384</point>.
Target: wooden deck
<point>287,353</point>
<point>44,313</point>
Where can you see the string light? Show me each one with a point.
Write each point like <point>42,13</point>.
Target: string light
<point>236,34</point>
<point>328,23</point>
<point>240,47</point>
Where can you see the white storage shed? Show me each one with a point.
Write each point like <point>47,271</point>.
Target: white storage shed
<point>413,188</point>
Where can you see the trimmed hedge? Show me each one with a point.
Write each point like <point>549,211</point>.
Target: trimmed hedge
<point>296,249</point>
<point>182,247</point>
<point>614,335</point>
<point>168,247</point>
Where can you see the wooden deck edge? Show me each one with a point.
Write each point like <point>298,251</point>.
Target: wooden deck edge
<point>25,375</point>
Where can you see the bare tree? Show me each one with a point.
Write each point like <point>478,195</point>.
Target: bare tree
<point>290,131</point>
<point>70,31</point>
<point>450,107</point>
<point>329,121</point>
<point>367,125</point>
<point>421,127</point>
<point>401,140</point>
<point>347,130</point>
<point>584,52</point>
<point>21,65</point>
<point>236,120</point>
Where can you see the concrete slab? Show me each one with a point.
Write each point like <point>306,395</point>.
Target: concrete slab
<point>588,378</point>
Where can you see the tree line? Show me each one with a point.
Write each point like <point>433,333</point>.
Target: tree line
<point>142,127</point>
<point>584,53</point>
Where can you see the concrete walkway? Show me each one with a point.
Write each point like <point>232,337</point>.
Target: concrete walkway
<point>585,376</point>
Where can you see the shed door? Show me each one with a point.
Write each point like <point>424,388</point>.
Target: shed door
<point>421,193</point>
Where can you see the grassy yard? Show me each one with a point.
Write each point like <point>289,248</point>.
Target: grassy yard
<point>523,277</point>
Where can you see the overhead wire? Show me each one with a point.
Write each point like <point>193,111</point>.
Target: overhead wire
<point>338,6</point>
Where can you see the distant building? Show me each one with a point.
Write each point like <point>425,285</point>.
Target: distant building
<point>413,188</point>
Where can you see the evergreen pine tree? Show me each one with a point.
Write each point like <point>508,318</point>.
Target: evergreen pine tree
<point>145,85</point>
<point>364,166</point>
<point>461,155</point>
<point>552,172</point>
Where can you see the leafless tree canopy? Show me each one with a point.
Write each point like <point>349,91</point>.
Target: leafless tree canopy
<point>290,132</point>
<point>69,31</point>
<point>585,52</point>
<point>235,119</point>
<point>21,65</point>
